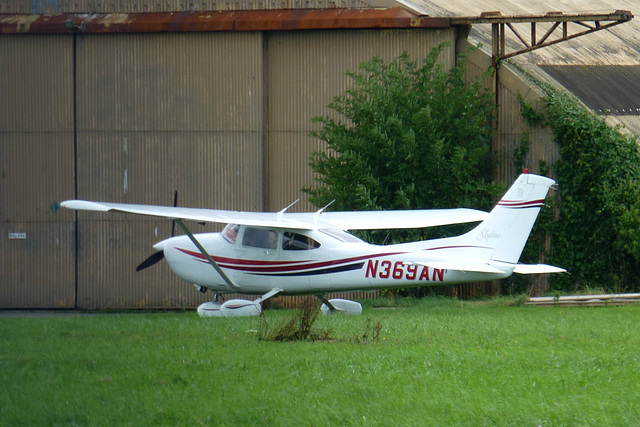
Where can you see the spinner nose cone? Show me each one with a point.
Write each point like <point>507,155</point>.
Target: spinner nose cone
<point>156,257</point>
<point>161,246</point>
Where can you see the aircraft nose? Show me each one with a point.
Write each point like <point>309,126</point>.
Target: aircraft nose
<point>169,243</point>
<point>162,245</point>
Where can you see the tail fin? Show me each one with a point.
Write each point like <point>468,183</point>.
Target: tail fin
<point>503,234</point>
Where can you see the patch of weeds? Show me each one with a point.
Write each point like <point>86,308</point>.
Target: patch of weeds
<point>519,300</point>
<point>298,328</point>
<point>371,333</point>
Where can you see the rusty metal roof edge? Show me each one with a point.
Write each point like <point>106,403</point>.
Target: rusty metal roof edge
<point>245,20</point>
<point>498,18</point>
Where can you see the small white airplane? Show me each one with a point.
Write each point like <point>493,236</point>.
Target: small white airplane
<point>311,253</point>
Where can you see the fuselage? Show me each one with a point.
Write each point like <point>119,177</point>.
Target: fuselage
<point>313,261</point>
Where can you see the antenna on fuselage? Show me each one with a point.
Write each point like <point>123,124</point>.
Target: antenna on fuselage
<point>285,209</point>
<point>323,209</point>
<point>316,216</point>
<point>281,212</point>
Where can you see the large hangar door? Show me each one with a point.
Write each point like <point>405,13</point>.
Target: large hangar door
<point>158,113</point>
<point>37,239</point>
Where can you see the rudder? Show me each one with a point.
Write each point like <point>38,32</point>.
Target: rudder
<point>505,231</point>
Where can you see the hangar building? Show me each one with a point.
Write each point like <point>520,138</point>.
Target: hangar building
<point>134,101</point>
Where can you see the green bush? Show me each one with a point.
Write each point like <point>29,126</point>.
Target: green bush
<point>596,235</point>
<point>411,137</point>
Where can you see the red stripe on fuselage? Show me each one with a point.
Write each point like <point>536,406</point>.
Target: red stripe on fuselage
<point>237,261</point>
<point>259,266</point>
<point>256,266</point>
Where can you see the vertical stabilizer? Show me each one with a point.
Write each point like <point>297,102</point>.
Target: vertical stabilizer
<point>506,230</point>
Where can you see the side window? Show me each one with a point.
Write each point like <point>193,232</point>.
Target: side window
<point>230,233</point>
<point>260,238</point>
<point>298,242</point>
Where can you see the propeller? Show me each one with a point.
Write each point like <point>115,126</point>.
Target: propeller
<point>175,204</point>
<point>159,256</point>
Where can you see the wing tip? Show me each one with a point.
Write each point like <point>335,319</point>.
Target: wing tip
<point>84,205</point>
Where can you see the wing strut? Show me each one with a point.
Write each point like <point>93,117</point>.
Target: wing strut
<point>328,303</point>
<point>204,252</point>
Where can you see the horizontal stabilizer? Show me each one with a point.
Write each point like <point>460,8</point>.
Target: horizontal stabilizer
<point>462,266</point>
<point>537,269</point>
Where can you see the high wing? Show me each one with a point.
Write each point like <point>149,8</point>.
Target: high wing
<point>260,219</point>
<point>374,220</point>
<point>364,220</point>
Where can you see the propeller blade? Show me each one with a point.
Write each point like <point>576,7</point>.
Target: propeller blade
<point>158,256</point>
<point>175,203</point>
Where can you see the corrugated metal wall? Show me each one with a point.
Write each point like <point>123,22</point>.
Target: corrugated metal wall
<point>165,112</point>
<point>510,124</point>
<point>306,71</point>
<point>512,128</point>
<point>36,168</point>
<point>159,113</point>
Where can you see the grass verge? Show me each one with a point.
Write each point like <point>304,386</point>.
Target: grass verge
<point>435,361</point>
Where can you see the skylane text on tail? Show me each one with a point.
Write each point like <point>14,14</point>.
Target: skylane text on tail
<point>280,253</point>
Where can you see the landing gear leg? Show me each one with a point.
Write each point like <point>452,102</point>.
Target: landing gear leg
<point>200,288</point>
<point>326,302</point>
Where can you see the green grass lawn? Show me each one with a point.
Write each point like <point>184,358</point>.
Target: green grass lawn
<point>436,362</point>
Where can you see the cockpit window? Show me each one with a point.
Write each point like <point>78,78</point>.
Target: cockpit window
<point>230,232</point>
<point>298,242</point>
<point>260,238</point>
